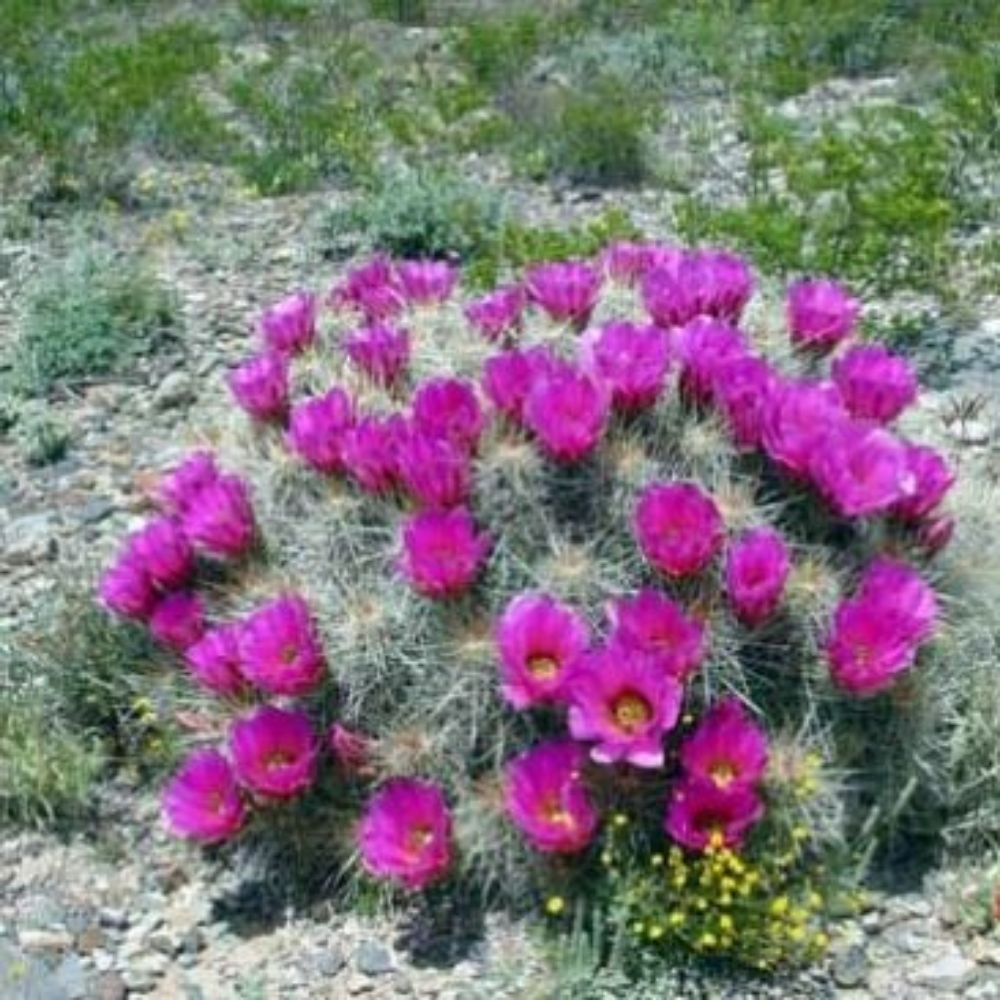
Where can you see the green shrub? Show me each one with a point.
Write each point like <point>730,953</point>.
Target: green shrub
<point>499,49</point>
<point>89,316</point>
<point>401,11</point>
<point>42,438</point>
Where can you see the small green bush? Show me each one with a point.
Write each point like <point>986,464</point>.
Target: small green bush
<point>42,438</point>
<point>498,49</point>
<point>401,11</point>
<point>89,316</point>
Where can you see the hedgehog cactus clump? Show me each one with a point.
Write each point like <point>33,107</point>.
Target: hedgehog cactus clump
<point>500,577</point>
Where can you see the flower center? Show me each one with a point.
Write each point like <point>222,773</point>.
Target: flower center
<point>553,811</point>
<point>418,838</point>
<point>288,653</point>
<point>723,773</point>
<point>542,666</point>
<point>278,758</point>
<point>631,711</point>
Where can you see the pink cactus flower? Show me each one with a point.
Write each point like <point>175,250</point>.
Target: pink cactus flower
<point>820,314</point>
<point>623,703</point>
<point>126,589</point>
<point>876,634</point>
<point>215,662</point>
<point>177,489</point>
<point>426,281</point>
<point>679,528</point>
<point>164,551</point>
<point>178,620</point>
<point>497,314</point>
<point>350,749</point>
<point>260,386</point>
<point>449,408</point>
<point>509,377</point>
<point>700,815</point>
<point>652,624</point>
<point>433,470</point>
<point>405,833</point>
<point>567,410</point>
<point>727,749</point>
<point>706,347</point>
<point>935,533</point>
<point>861,469</point>
<point>442,552</point>
<point>290,326</point>
<point>280,649</point>
<point>380,350</point>
<point>626,262</point>
<point>219,518</point>
<point>566,290</point>
<point>316,429</point>
<point>202,801</point>
<point>545,797</point>
<point>741,389</point>
<point>372,289</point>
<point>631,360</point>
<point>757,568</point>
<point>705,283</point>
<point>538,639</point>
<point>796,417</point>
<point>370,451</point>
<point>274,752</point>
<point>874,383</point>
<point>932,478</point>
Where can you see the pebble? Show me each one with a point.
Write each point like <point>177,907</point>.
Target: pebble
<point>949,973</point>
<point>37,939</point>
<point>372,959</point>
<point>850,966</point>
<point>176,390</point>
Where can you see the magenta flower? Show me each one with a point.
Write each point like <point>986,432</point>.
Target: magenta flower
<point>757,568</point>
<point>652,624</point>
<point>426,281</point>
<point>727,749</point>
<point>274,752</point>
<point>509,377</point>
<point>405,833</point>
<point>260,386</point>
<point>178,620</point>
<point>280,650</point>
<point>931,477</point>
<point>316,429</point>
<point>820,313</point>
<point>796,417</point>
<point>178,488</point>
<point>874,383</point>
<point>700,814</point>
<point>538,639</point>
<point>623,703</point>
<point>679,528</point>
<point>381,351</point>
<point>370,451</point>
<point>163,550</point>
<point>434,471</point>
<point>497,314</point>
<point>566,290</point>
<point>290,326</point>
<point>350,749</point>
<point>126,589</point>
<point>202,800</point>
<point>442,552</point>
<point>449,408</point>
<point>861,469</point>
<point>705,283</point>
<point>372,289</point>
<point>215,661</point>
<point>876,634</point>
<point>219,518</point>
<point>567,410</point>
<point>742,388</point>
<point>545,798</point>
<point>706,347</point>
<point>626,262</point>
<point>632,361</point>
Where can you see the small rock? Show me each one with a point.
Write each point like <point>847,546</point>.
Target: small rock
<point>91,940</point>
<point>372,959</point>
<point>95,510</point>
<point>104,961</point>
<point>328,963</point>
<point>948,974</point>
<point>164,942</point>
<point>850,966</point>
<point>970,432</point>
<point>110,986</point>
<point>30,539</point>
<point>110,917</point>
<point>36,939</point>
<point>177,389</point>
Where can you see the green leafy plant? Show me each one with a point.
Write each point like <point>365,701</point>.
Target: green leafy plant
<point>42,438</point>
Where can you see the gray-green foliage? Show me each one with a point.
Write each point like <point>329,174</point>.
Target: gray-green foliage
<point>42,438</point>
<point>93,314</point>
